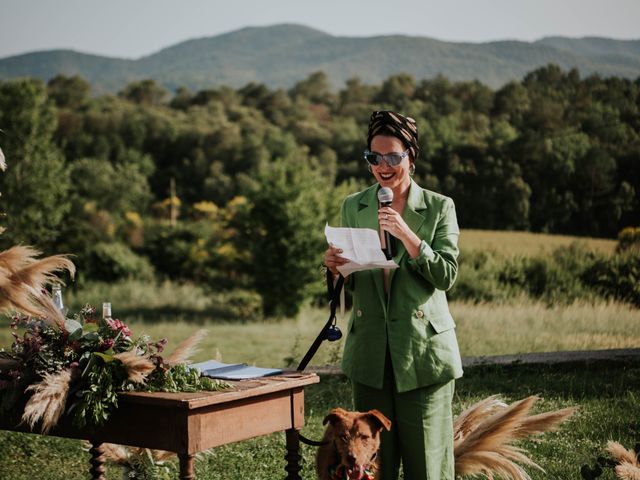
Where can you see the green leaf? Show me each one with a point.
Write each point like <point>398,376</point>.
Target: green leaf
<point>106,358</point>
<point>91,336</point>
<point>90,327</point>
<point>72,326</point>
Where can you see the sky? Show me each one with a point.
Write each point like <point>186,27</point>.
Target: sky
<point>134,28</point>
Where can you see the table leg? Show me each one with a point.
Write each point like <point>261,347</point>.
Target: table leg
<point>97,461</point>
<point>186,466</point>
<point>293,454</point>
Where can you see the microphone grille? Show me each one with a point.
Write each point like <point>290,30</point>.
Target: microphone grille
<point>385,195</point>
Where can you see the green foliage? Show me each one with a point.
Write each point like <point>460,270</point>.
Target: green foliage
<point>616,277</point>
<point>629,239</point>
<point>282,229</point>
<point>237,305</point>
<point>116,261</point>
<point>68,92</point>
<point>554,153</point>
<point>567,274</point>
<point>35,187</point>
<point>180,378</point>
<point>146,92</point>
<point>99,398</point>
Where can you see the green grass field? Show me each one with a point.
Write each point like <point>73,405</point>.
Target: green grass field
<point>527,243</point>
<point>608,396</point>
<point>482,329</point>
<point>609,406</point>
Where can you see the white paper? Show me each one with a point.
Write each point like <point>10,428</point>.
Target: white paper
<point>361,246</point>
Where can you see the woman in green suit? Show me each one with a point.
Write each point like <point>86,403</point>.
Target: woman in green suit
<point>401,351</point>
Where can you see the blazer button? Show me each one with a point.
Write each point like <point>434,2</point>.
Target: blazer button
<point>359,313</point>
<point>419,313</point>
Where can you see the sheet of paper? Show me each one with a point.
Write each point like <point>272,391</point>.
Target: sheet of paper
<point>361,246</point>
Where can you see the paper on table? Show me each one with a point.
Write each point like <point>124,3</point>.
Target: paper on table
<point>361,246</point>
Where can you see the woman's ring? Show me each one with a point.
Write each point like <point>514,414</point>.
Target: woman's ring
<point>386,215</point>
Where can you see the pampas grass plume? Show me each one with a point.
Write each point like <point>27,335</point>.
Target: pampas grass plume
<point>629,466</point>
<point>137,367</point>
<point>483,434</point>
<point>621,454</point>
<point>23,277</point>
<point>184,351</point>
<point>48,400</point>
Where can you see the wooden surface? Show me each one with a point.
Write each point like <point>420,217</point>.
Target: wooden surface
<point>188,423</point>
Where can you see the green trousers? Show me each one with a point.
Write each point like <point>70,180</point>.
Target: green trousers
<point>421,435</point>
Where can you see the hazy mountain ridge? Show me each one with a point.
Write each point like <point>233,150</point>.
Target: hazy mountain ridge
<point>281,55</point>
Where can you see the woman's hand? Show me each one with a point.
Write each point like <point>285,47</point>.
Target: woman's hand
<point>392,222</point>
<point>332,259</point>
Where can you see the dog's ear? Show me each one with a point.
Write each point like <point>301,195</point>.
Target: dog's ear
<point>379,419</point>
<point>334,415</point>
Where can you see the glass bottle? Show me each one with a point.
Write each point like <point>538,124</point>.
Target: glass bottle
<point>56,296</point>
<point>106,310</point>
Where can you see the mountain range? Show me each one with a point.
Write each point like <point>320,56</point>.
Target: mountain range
<point>281,55</point>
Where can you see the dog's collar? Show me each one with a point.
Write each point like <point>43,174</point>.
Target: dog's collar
<point>339,472</point>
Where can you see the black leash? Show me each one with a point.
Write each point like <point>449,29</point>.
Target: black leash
<point>330,331</point>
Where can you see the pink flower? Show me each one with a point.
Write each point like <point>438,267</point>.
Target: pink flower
<point>117,325</point>
<point>106,345</point>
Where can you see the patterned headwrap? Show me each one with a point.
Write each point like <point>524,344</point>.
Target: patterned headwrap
<point>395,125</point>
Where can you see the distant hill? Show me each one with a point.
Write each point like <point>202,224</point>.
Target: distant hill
<point>281,55</point>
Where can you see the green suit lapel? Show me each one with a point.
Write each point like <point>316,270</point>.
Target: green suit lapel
<point>414,216</point>
<point>368,218</point>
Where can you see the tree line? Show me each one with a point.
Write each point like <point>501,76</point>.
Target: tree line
<point>232,186</point>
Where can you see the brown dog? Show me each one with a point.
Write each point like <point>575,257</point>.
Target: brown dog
<point>483,436</point>
<point>352,443</point>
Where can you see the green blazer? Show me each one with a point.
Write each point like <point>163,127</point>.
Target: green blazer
<point>414,320</point>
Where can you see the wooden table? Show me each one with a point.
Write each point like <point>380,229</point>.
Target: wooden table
<point>188,423</point>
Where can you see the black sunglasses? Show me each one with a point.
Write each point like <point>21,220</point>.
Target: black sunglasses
<point>393,159</point>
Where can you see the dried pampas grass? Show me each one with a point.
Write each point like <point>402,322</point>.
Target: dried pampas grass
<point>184,351</point>
<point>3,164</point>
<point>626,471</point>
<point>482,444</point>
<point>126,456</point>
<point>22,280</point>
<point>469,419</point>
<point>48,400</point>
<point>621,454</point>
<point>137,367</point>
<point>628,467</point>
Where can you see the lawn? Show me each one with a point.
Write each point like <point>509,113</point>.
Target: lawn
<point>527,243</point>
<point>607,396</point>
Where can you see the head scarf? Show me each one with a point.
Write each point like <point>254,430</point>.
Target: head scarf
<point>395,125</point>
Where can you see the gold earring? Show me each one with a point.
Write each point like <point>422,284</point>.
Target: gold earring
<point>369,168</point>
<point>412,169</point>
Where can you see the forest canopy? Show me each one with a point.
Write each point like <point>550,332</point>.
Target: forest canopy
<point>207,185</point>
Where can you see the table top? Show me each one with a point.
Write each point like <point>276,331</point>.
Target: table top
<point>238,390</point>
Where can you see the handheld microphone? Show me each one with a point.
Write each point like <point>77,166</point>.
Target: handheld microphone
<point>385,198</point>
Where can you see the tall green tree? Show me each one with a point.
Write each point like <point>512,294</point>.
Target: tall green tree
<point>35,187</point>
<point>283,231</point>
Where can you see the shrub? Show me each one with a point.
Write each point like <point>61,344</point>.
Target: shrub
<point>477,278</point>
<point>629,238</point>
<point>544,277</point>
<point>115,261</point>
<point>243,305</point>
<point>616,277</point>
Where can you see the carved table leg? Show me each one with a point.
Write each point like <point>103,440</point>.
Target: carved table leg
<point>186,466</point>
<point>293,454</point>
<point>97,461</point>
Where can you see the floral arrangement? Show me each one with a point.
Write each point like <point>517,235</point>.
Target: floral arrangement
<point>76,365</point>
